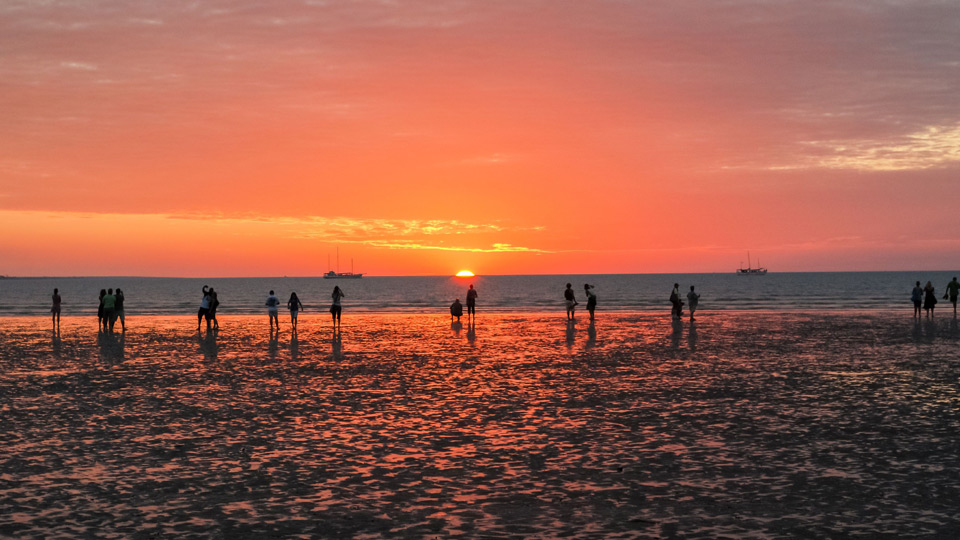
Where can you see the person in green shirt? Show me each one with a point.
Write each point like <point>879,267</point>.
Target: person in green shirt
<point>109,309</point>
<point>953,290</point>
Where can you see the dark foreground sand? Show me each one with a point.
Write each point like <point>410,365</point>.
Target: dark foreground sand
<point>747,425</point>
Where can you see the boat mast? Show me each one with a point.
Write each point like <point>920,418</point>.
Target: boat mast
<point>338,259</point>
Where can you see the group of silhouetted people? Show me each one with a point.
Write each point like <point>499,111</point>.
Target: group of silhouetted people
<point>295,306</point>
<point>693,299</point>
<point>926,297</point>
<point>110,309</point>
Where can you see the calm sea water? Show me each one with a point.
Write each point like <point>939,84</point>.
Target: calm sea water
<point>626,292</point>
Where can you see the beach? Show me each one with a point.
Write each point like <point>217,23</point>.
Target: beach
<point>743,424</point>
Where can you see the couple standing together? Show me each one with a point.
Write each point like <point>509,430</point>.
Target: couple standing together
<point>571,301</point>
<point>692,300</point>
<point>456,309</point>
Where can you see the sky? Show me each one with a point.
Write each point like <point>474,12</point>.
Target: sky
<point>235,138</point>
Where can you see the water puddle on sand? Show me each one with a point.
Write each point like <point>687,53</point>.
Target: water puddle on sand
<point>742,425</point>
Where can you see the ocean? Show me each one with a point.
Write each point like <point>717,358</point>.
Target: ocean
<point>498,294</point>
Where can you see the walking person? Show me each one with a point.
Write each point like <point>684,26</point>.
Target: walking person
<point>204,311</point>
<point>109,309</point>
<point>591,299</point>
<point>55,310</point>
<point>119,311</point>
<point>917,298</point>
<point>929,299</point>
<point>100,326</point>
<point>212,313</point>
<point>272,303</point>
<point>336,308</point>
<point>953,291</point>
<point>456,309</point>
<point>294,305</point>
<point>471,301</point>
<point>692,300</point>
<point>570,301</point>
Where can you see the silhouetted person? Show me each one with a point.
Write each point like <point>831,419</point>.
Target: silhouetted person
<point>294,305</point>
<point>953,291</point>
<point>55,310</point>
<point>100,325</point>
<point>456,309</point>
<point>109,309</point>
<point>929,298</point>
<point>336,309</point>
<point>917,297</point>
<point>677,310</point>
<point>591,299</point>
<point>204,310</point>
<point>692,300</point>
<point>272,303</point>
<point>212,313</point>
<point>471,301</point>
<point>119,311</point>
<point>570,301</point>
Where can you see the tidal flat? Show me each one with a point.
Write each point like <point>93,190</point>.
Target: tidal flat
<point>741,425</point>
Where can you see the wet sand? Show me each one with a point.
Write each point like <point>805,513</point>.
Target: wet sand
<point>752,425</point>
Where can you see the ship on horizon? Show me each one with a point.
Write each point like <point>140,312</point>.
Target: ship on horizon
<point>338,274</point>
<point>749,271</point>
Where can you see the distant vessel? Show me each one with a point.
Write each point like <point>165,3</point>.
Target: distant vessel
<point>749,271</point>
<point>341,275</point>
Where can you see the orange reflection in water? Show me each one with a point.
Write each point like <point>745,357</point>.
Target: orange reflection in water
<point>397,425</point>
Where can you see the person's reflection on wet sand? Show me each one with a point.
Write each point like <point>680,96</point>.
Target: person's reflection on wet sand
<point>294,345</point>
<point>472,332</point>
<point>274,344</point>
<point>954,330</point>
<point>336,344</point>
<point>677,333</point>
<point>571,332</point>
<point>692,337</point>
<point>591,334</point>
<point>209,346</point>
<point>917,332</point>
<point>456,327</point>
<point>111,347</point>
<point>55,343</point>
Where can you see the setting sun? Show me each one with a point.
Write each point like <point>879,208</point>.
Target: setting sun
<point>464,273</point>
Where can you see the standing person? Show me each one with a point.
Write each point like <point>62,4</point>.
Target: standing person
<point>272,303</point>
<point>109,309</point>
<point>204,310</point>
<point>917,298</point>
<point>953,291</point>
<point>119,309</point>
<point>55,310</point>
<point>929,298</point>
<point>336,308</point>
<point>471,301</point>
<point>677,310</point>
<point>103,292</point>
<point>456,309</point>
<point>570,301</point>
<point>692,300</point>
<point>591,299</point>
<point>212,313</point>
<point>294,305</point>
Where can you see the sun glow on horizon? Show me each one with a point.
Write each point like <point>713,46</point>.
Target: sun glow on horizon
<point>465,273</point>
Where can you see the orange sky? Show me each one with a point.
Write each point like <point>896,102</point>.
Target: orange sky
<point>233,139</point>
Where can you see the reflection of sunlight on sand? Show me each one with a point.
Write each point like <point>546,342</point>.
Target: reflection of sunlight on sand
<point>739,424</point>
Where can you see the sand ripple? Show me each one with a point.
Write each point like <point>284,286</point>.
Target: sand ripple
<point>746,425</point>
